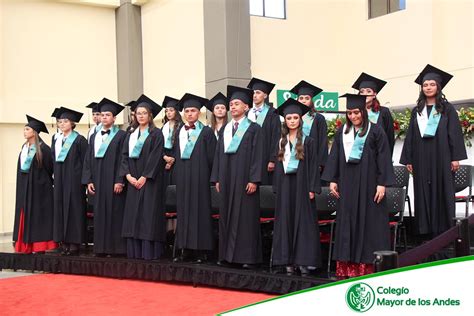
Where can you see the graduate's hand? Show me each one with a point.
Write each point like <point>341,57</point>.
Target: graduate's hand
<point>140,182</point>
<point>166,158</point>
<point>218,188</point>
<point>91,188</point>
<point>454,166</point>
<point>311,195</point>
<point>132,180</point>
<point>380,194</point>
<point>410,168</point>
<point>251,188</point>
<point>168,166</point>
<point>118,187</point>
<point>271,166</point>
<point>333,190</point>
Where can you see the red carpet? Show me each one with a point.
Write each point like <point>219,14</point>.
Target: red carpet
<point>57,294</point>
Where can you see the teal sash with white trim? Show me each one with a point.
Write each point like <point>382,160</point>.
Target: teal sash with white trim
<point>307,123</point>
<point>292,166</point>
<point>168,140</point>
<point>25,167</point>
<point>193,137</point>
<point>358,147</point>
<point>373,116</point>
<point>263,114</point>
<point>432,125</point>
<point>139,145</point>
<point>237,138</point>
<point>105,143</point>
<point>66,146</point>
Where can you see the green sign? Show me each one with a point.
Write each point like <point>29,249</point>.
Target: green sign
<point>325,101</point>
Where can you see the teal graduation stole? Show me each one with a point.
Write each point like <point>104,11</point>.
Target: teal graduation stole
<point>98,127</point>
<point>66,146</point>
<point>307,123</point>
<point>262,115</point>
<point>237,138</point>
<point>358,146</point>
<point>105,143</point>
<point>139,145</point>
<point>168,140</point>
<point>193,137</point>
<point>293,163</point>
<point>432,125</point>
<point>373,116</point>
<point>25,167</point>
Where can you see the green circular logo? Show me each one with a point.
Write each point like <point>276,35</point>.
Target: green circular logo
<point>360,297</point>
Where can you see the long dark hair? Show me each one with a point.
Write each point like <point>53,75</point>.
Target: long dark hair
<point>441,100</point>
<point>39,153</point>
<point>214,121</point>
<point>178,122</point>
<point>284,140</point>
<point>135,124</point>
<point>375,105</point>
<point>365,122</point>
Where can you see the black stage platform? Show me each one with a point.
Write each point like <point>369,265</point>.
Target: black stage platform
<point>209,274</point>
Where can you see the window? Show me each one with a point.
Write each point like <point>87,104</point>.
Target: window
<point>268,8</point>
<point>381,7</point>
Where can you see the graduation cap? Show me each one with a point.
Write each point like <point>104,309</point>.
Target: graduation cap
<point>145,101</point>
<point>65,113</point>
<point>243,94</point>
<point>262,85</point>
<point>306,88</point>
<point>169,102</point>
<point>354,101</point>
<point>192,101</point>
<point>219,98</point>
<point>37,125</point>
<point>292,106</point>
<point>132,104</point>
<point>55,113</point>
<point>368,81</point>
<point>433,73</point>
<point>106,105</point>
<point>93,106</point>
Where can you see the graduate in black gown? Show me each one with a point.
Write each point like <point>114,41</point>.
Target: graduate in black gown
<point>218,106</point>
<point>131,115</point>
<point>194,152</point>
<point>265,116</point>
<point>144,222</point>
<point>104,183</point>
<point>69,192</point>
<point>172,123</point>
<point>237,172</point>
<point>314,123</point>
<point>58,130</point>
<point>96,120</point>
<point>370,86</point>
<point>33,230</point>
<point>296,241</point>
<point>359,168</point>
<point>433,147</point>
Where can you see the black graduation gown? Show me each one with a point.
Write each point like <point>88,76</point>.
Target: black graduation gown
<point>108,206</point>
<point>193,193</point>
<point>144,215</point>
<point>271,131</point>
<point>385,121</point>
<point>34,195</point>
<point>239,221</point>
<point>362,226</point>
<point>319,132</point>
<point>70,195</point>
<point>433,181</point>
<point>296,232</point>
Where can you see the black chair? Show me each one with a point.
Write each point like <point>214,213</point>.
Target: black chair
<point>170,202</point>
<point>214,203</point>
<point>395,203</point>
<point>402,177</point>
<point>326,205</point>
<point>267,204</point>
<point>462,181</point>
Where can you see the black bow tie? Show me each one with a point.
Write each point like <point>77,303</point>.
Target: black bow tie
<point>186,127</point>
<point>105,132</point>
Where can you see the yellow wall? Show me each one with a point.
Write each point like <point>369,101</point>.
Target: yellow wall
<point>173,48</point>
<point>52,54</point>
<point>329,42</point>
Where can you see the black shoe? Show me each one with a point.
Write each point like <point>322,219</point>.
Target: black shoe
<point>290,270</point>
<point>249,266</point>
<point>178,259</point>
<point>304,271</point>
